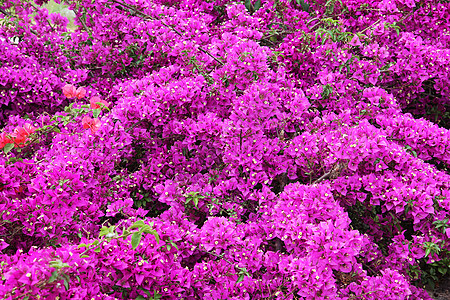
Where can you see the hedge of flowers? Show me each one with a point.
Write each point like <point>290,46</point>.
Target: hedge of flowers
<point>210,149</point>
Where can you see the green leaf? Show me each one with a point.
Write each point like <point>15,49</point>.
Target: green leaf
<point>105,230</point>
<point>241,278</point>
<point>195,200</point>
<point>97,249</point>
<point>156,295</point>
<point>305,6</point>
<point>8,147</point>
<point>147,229</point>
<point>156,235</point>
<point>82,245</point>
<point>175,245</point>
<point>96,112</point>
<point>248,5</point>
<point>138,224</point>
<point>257,5</point>
<point>58,264</point>
<point>244,270</point>
<point>66,282</point>
<point>53,277</point>
<point>136,239</point>
<point>407,208</point>
<point>145,291</point>
<point>140,297</point>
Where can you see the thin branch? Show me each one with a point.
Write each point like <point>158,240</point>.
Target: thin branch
<point>9,15</point>
<point>82,22</point>
<point>363,294</point>
<point>5,12</point>
<point>323,177</point>
<point>327,175</point>
<point>379,20</point>
<point>311,20</point>
<point>227,261</point>
<point>48,21</point>
<point>221,257</point>
<point>134,125</point>
<point>373,24</point>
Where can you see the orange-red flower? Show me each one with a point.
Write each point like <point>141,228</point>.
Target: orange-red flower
<point>71,92</point>
<point>20,134</point>
<point>96,102</point>
<point>4,139</point>
<point>81,92</point>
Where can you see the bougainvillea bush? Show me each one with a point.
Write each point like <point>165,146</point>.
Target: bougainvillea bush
<point>209,149</point>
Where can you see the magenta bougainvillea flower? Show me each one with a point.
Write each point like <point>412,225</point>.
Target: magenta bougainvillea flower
<point>355,41</point>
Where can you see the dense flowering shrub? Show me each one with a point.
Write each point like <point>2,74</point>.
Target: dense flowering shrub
<point>268,149</point>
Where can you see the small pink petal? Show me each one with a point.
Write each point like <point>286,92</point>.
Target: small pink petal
<point>86,121</point>
<point>81,92</point>
<point>29,129</point>
<point>96,102</point>
<point>69,91</point>
<point>95,125</point>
